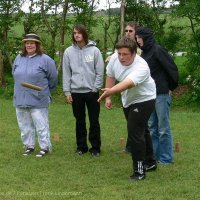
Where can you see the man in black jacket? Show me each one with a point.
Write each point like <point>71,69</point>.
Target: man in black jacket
<point>165,74</point>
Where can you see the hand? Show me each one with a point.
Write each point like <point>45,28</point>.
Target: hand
<point>106,93</point>
<point>69,99</point>
<point>108,103</point>
<point>107,59</point>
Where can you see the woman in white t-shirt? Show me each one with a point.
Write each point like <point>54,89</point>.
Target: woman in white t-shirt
<point>138,93</point>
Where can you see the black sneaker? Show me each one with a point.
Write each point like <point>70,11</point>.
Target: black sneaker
<point>150,167</point>
<point>137,177</point>
<point>28,151</point>
<point>42,153</point>
<point>79,152</point>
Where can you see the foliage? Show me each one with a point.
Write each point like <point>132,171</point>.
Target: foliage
<point>84,11</point>
<point>9,15</point>
<point>176,28</point>
<point>193,67</point>
<point>191,10</point>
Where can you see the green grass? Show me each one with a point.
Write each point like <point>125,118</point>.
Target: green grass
<point>62,175</point>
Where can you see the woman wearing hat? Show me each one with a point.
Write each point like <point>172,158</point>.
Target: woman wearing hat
<point>34,67</point>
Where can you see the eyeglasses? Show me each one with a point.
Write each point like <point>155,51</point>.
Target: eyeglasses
<point>130,31</point>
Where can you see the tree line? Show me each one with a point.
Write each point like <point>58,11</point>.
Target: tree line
<point>53,20</point>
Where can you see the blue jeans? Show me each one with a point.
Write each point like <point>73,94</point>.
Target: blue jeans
<point>159,127</point>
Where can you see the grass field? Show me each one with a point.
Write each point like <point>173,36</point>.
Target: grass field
<point>63,175</point>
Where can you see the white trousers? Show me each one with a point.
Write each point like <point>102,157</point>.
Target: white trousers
<point>30,121</point>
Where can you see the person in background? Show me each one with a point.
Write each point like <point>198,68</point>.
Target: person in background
<point>138,93</point>
<point>165,74</point>
<point>37,68</point>
<point>83,75</point>
<point>130,28</point>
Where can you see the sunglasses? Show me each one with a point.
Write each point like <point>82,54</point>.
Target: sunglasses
<point>130,31</point>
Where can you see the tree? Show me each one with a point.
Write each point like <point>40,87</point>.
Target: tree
<point>107,20</point>
<point>9,15</point>
<point>190,10</point>
<point>84,12</point>
<point>32,20</point>
<point>122,11</point>
<point>62,33</point>
<point>50,14</point>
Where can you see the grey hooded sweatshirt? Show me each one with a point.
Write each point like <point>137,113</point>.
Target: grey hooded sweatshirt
<point>83,69</point>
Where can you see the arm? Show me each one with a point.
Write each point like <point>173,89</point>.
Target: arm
<point>52,74</point>
<point>110,82</point>
<point>66,74</point>
<point>99,70</point>
<point>169,67</point>
<point>125,84</point>
<point>67,78</point>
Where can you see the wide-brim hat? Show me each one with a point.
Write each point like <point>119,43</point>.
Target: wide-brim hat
<point>32,37</point>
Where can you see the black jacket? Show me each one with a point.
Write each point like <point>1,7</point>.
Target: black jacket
<point>163,69</point>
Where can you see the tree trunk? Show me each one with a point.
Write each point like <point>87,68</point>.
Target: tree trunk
<point>62,34</point>
<point>122,10</point>
<point>1,69</point>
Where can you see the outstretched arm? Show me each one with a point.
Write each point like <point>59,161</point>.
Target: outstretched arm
<point>107,92</point>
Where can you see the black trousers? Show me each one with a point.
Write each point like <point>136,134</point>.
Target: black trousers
<point>139,139</point>
<point>79,104</point>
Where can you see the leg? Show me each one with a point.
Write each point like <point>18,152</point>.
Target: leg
<point>153,128</point>
<point>93,112</point>
<point>26,126</point>
<point>128,144</point>
<point>41,122</point>
<point>137,122</point>
<point>165,135</point>
<point>150,162</point>
<point>78,107</point>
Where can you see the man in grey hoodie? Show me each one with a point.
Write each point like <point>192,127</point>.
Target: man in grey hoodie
<point>83,73</point>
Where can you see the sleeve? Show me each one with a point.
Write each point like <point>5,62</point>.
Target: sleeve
<point>109,68</point>
<point>67,73</point>
<point>14,65</point>
<point>52,74</point>
<point>169,67</point>
<point>99,70</point>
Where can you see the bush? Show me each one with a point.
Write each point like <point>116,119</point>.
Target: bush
<point>193,78</point>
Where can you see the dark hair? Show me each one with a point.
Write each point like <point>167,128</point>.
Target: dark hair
<point>127,42</point>
<point>39,49</point>
<point>80,28</point>
<point>133,24</point>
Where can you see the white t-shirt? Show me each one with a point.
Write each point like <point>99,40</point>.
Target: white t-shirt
<point>139,73</point>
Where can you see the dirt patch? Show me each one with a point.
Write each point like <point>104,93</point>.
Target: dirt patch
<point>180,90</point>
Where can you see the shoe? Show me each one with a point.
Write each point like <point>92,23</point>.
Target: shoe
<point>150,167</point>
<point>95,154</point>
<point>28,151</point>
<point>165,163</point>
<point>79,152</point>
<point>42,153</point>
<point>137,177</point>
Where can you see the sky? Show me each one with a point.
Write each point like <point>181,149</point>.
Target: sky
<point>103,4</point>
